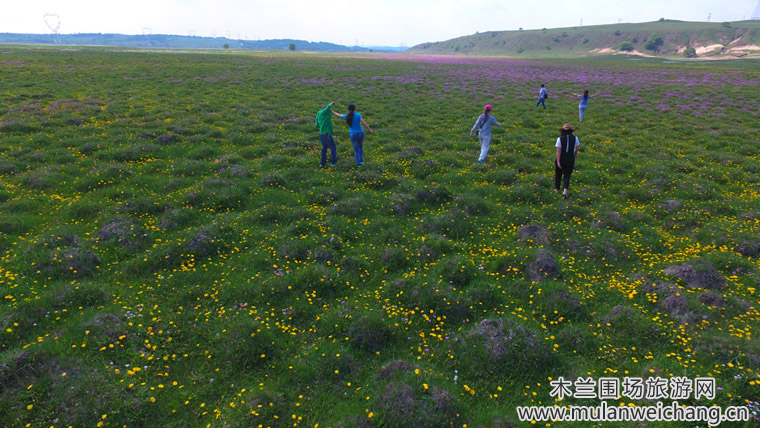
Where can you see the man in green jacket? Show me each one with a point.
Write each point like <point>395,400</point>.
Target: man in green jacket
<point>325,126</point>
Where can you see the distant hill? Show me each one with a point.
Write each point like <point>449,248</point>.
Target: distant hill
<point>181,42</point>
<point>660,38</point>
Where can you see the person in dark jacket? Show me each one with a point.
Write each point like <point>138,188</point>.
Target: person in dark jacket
<point>567,151</point>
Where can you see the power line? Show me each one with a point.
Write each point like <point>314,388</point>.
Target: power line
<point>756,13</point>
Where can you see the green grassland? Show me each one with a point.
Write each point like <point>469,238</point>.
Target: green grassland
<point>171,254</point>
<point>589,40</point>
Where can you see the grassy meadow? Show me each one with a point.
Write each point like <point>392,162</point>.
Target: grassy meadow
<point>171,254</point>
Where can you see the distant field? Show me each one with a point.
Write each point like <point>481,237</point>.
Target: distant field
<point>172,255</point>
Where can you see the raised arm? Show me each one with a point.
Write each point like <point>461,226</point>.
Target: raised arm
<point>322,114</point>
<point>367,126</point>
<point>337,114</point>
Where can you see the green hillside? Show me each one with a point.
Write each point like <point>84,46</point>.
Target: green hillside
<point>660,38</point>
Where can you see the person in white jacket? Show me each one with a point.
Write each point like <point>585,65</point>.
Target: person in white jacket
<point>483,126</point>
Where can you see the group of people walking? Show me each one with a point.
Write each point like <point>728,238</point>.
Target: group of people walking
<point>567,144</point>
<point>582,106</point>
<point>354,120</point>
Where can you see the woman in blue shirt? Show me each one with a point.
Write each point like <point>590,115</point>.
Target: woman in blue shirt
<point>355,132</point>
<point>583,104</point>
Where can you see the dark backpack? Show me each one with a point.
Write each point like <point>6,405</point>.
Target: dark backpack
<point>567,143</point>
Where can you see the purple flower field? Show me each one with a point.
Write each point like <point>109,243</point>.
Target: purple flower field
<point>172,253</point>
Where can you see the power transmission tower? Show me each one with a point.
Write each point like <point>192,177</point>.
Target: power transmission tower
<point>756,13</point>
<point>53,21</point>
<point>147,32</point>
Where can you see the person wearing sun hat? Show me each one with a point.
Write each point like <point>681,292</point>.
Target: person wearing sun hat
<point>567,151</point>
<point>483,126</point>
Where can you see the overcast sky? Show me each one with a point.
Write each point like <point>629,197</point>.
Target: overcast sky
<point>363,22</point>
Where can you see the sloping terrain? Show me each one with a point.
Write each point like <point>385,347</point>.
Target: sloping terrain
<point>660,38</point>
